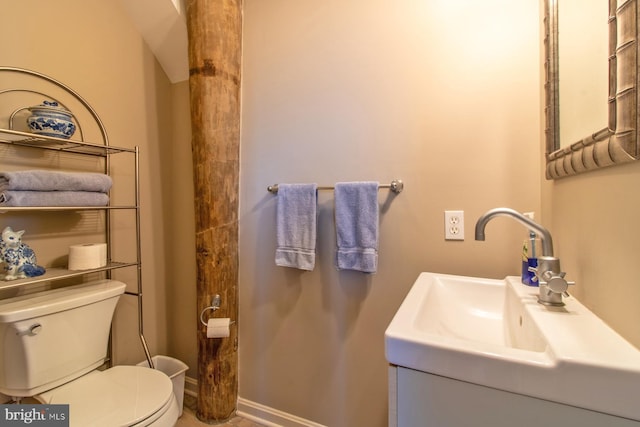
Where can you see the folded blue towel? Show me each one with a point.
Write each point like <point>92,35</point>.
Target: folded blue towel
<point>357,213</point>
<point>42,180</point>
<point>53,198</point>
<point>296,225</point>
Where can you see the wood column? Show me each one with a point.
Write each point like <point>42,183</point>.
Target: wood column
<point>215,34</point>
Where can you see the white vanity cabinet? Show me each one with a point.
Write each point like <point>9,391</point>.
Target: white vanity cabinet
<point>420,399</point>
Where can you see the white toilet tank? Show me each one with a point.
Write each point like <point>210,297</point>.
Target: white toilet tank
<point>52,337</point>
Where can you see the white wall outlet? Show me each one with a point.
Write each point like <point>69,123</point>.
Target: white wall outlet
<point>454,225</point>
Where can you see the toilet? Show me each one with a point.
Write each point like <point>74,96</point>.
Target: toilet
<point>53,343</point>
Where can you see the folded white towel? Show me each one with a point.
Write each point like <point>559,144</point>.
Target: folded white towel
<point>357,212</point>
<point>53,198</point>
<point>42,180</point>
<point>296,225</point>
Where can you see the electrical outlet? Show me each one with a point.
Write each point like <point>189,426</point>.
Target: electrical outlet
<point>454,225</point>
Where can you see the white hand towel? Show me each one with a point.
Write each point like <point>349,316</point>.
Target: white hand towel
<point>357,212</point>
<point>296,225</point>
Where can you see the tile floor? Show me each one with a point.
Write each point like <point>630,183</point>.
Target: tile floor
<point>188,418</point>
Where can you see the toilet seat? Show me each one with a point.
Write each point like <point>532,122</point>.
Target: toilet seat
<point>119,396</point>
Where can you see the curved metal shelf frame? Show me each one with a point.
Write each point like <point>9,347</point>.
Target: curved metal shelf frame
<point>61,208</point>
<point>25,139</point>
<point>58,84</point>
<point>53,274</point>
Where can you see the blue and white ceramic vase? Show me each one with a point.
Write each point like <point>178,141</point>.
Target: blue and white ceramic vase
<point>51,119</point>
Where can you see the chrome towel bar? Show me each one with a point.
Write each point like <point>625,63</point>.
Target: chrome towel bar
<point>396,186</point>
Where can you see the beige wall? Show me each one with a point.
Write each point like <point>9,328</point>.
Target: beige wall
<point>181,293</point>
<point>92,47</point>
<point>593,223</point>
<point>441,94</point>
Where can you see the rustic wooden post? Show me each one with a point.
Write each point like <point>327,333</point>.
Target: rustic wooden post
<point>215,34</point>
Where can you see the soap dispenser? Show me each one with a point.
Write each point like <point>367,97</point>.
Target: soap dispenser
<point>529,256</point>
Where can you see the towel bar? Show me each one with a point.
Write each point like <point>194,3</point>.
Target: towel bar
<point>396,186</point>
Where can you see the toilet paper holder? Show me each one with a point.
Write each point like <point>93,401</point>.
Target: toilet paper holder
<point>215,305</point>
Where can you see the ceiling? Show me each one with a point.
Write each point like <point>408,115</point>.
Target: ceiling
<point>163,26</point>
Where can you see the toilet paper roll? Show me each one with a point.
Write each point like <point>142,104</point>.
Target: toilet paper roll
<point>218,328</point>
<point>87,256</point>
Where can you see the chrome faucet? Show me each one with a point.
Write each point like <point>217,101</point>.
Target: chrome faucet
<point>550,277</point>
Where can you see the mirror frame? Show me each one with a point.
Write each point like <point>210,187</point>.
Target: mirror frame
<point>618,143</point>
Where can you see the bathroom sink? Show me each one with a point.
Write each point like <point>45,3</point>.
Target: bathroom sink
<point>477,312</point>
<point>495,333</point>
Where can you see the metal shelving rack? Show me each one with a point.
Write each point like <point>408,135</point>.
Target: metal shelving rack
<point>25,139</point>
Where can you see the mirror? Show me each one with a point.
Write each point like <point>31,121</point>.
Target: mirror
<point>617,141</point>
<point>583,68</point>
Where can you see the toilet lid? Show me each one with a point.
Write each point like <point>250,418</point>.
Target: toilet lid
<point>119,396</point>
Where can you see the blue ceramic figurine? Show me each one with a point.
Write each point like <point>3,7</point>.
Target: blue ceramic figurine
<point>19,259</point>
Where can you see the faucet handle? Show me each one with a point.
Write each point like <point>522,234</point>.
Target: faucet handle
<point>555,282</point>
<point>570,283</point>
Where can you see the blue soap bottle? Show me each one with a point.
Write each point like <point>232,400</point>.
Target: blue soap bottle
<point>529,257</point>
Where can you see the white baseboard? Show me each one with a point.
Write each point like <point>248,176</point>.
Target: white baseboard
<point>191,386</point>
<point>270,417</point>
<point>253,411</point>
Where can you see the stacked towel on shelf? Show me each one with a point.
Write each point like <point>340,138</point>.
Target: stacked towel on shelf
<point>48,188</point>
<point>296,218</point>
<point>52,198</point>
<point>356,214</point>
<point>41,180</point>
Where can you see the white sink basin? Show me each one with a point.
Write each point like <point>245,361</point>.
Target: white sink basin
<point>494,333</point>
